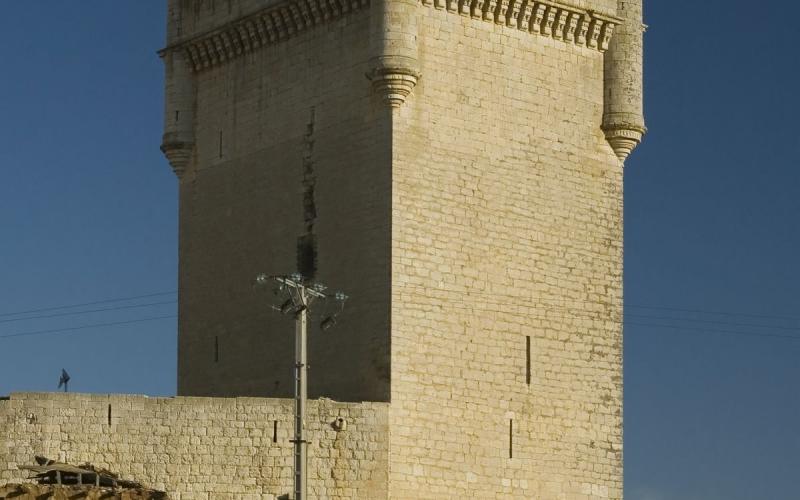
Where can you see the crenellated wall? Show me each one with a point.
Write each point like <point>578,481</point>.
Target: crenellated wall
<point>200,448</point>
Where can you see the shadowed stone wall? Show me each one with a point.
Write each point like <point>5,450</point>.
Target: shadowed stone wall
<point>290,144</point>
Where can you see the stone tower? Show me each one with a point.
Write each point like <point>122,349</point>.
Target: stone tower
<point>457,168</point>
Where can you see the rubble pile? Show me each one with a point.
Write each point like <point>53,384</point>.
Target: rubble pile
<point>57,481</point>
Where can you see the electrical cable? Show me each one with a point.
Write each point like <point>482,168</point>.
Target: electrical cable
<point>70,306</point>
<point>467,292</point>
<point>720,313</point>
<point>76,313</point>
<point>84,327</point>
<point>523,302</point>
<point>714,331</point>
<point>712,322</point>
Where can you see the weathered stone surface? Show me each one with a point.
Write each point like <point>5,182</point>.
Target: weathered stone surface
<point>200,448</point>
<point>506,225</point>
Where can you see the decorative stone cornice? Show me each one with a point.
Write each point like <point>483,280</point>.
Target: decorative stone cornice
<point>282,21</point>
<point>549,18</point>
<point>268,26</point>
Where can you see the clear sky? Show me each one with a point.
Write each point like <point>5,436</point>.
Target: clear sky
<point>88,209</point>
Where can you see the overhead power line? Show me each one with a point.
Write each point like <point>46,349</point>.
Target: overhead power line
<point>712,322</point>
<point>84,327</point>
<point>719,313</point>
<point>77,313</point>
<point>448,306</point>
<point>715,331</point>
<point>514,301</point>
<point>70,306</point>
<point>468,292</point>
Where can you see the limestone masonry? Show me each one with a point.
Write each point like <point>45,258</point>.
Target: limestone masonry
<point>200,448</point>
<point>457,168</point>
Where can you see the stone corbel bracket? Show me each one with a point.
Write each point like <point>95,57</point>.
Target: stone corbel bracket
<point>394,83</point>
<point>623,138</point>
<point>178,154</point>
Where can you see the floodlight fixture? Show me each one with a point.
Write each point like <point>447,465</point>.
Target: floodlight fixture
<point>318,287</point>
<point>328,323</point>
<point>287,306</point>
<point>299,309</point>
<point>296,277</point>
<point>261,280</point>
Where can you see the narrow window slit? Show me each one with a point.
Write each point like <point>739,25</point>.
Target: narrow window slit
<point>220,143</point>
<point>109,414</point>
<point>274,431</point>
<point>528,360</point>
<point>511,438</point>
<point>216,349</point>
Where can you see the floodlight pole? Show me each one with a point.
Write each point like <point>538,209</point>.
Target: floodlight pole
<point>300,396</point>
<point>300,298</point>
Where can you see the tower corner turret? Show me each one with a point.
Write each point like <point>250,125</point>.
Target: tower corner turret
<point>395,67</point>
<point>623,117</point>
<point>178,140</point>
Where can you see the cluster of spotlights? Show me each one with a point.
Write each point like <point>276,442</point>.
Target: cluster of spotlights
<point>294,305</point>
<point>289,307</point>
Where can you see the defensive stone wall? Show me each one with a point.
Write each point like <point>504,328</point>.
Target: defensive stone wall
<point>200,448</point>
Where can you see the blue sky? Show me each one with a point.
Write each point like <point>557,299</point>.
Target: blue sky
<point>88,209</point>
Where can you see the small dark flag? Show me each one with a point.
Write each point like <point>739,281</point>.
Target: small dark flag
<point>64,380</point>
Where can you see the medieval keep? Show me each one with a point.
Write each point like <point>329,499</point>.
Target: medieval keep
<point>457,168</point>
